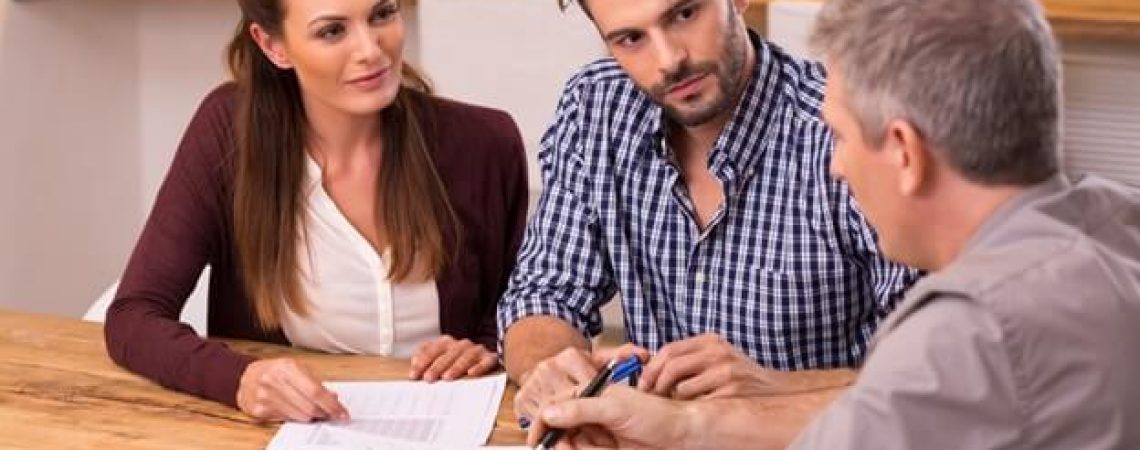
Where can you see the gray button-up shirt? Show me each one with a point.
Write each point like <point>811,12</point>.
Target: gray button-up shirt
<point>1027,341</point>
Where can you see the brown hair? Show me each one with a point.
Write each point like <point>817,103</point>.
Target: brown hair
<point>272,131</point>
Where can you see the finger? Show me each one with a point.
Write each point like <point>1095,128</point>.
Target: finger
<point>704,384</point>
<point>525,401</point>
<point>557,391</point>
<point>470,357</point>
<point>649,376</point>
<point>262,404</point>
<point>531,396</point>
<point>286,401</point>
<point>592,436</point>
<point>561,396</point>
<point>556,398</point>
<point>647,382</point>
<point>607,411</point>
<point>576,365</point>
<point>571,440</point>
<point>682,368</point>
<point>444,361</point>
<point>603,355</point>
<point>315,396</point>
<point>325,398</point>
<point>551,376</point>
<point>427,353</point>
<point>580,411</point>
<point>489,361</point>
<point>535,433</point>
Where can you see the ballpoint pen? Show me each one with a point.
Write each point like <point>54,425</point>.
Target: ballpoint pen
<point>628,369</point>
<point>592,390</point>
<point>613,372</point>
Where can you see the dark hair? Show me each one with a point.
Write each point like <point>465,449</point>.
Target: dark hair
<point>272,131</point>
<point>563,4</point>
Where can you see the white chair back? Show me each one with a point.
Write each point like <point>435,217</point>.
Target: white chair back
<point>193,314</point>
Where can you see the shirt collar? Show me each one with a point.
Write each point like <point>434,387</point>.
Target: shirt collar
<point>746,133</point>
<point>994,223</point>
<point>313,174</point>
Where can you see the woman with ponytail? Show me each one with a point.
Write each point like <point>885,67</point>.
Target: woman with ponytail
<point>342,208</point>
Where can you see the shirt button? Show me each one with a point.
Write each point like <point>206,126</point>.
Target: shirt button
<point>700,277</point>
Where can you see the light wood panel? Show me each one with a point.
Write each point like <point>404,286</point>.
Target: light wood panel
<point>1116,20</point>
<point>58,389</point>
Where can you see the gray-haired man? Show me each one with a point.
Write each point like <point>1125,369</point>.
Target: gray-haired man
<point>946,117</point>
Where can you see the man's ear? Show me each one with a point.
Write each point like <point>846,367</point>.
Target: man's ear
<point>271,47</point>
<point>909,155</point>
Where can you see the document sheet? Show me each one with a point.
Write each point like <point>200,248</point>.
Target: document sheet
<point>403,415</point>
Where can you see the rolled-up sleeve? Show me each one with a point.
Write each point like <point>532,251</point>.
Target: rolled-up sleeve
<point>562,270</point>
<point>941,380</point>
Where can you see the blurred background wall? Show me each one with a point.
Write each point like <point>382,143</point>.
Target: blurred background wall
<point>94,96</point>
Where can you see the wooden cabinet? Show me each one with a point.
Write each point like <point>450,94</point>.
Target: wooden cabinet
<point>1095,19</point>
<point>1117,20</point>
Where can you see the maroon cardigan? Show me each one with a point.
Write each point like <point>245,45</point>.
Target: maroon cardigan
<point>479,155</point>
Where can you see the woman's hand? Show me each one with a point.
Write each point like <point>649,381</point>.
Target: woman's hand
<point>281,389</point>
<point>448,359</point>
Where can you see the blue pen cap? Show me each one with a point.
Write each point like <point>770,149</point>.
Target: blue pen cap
<point>626,369</point>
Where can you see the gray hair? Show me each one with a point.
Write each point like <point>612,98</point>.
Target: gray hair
<point>979,79</point>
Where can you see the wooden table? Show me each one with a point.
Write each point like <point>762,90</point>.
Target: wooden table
<point>59,390</point>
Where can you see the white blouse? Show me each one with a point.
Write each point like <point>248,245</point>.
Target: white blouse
<point>353,306</point>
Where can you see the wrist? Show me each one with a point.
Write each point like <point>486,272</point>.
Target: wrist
<point>693,425</point>
<point>811,381</point>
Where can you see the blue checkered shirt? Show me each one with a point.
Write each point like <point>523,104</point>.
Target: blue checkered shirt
<point>788,270</point>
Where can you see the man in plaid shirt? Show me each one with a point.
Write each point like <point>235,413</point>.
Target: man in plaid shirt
<point>689,174</point>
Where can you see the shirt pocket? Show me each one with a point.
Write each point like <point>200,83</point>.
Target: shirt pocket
<point>802,319</point>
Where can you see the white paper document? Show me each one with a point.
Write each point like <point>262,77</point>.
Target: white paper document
<point>403,415</point>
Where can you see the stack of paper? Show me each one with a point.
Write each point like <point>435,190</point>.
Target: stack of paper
<point>403,415</point>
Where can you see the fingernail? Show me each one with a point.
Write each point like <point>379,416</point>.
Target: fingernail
<point>524,423</point>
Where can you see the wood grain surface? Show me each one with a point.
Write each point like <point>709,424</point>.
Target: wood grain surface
<point>59,390</point>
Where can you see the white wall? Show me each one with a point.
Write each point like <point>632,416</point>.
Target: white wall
<point>182,45</point>
<point>513,55</point>
<point>68,139</point>
<point>95,95</point>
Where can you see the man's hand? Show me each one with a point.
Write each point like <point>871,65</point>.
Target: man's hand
<point>281,389</point>
<point>563,372</point>
<point>620,418</point>
<point>559,373</point>
<point>446,358</point>
<point>706,366</point>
